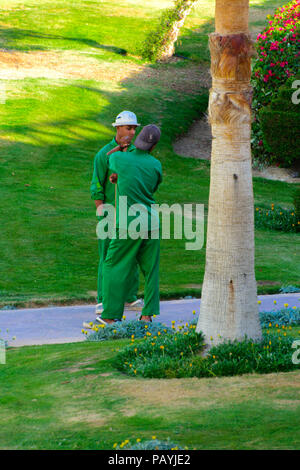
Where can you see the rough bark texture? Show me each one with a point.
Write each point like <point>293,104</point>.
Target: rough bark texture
<point>229,295</point>
<point>172,34</point>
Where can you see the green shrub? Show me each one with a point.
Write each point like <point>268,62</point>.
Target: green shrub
<point>179,356</point>
<point>280,127</point>
<point>157,40</point>
<point>276,219</point>
<point>160,356</point>
<point>154,444</point>
<point>278,59</point>
<point>126,329</point>
<point>279,318</point>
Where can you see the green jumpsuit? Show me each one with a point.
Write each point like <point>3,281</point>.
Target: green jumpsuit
<point>103,189</point>
<point>139,175</point>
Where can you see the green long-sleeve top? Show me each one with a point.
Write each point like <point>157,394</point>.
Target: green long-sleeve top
<point>139,175</point>
<point>101,188</point>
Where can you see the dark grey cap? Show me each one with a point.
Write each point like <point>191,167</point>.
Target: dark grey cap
<point>148,136</point>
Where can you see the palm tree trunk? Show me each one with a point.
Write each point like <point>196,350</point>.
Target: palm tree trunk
<point>229,295</point>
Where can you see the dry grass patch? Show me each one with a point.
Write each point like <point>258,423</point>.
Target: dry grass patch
<point>208,392</point>
<point>66,64</point>
<point>92,419</point>
<point>189,79</point>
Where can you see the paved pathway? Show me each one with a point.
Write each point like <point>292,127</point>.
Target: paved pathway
<point>48,325</point>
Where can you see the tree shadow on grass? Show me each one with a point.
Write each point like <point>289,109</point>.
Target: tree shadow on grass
<point>9,36</point>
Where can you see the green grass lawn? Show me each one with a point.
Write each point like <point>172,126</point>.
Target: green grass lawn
<point>53,125</point>
<point>70,397</point>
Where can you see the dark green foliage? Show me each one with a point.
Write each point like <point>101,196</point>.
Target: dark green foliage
<point>280,126</point>
<point>296,201</point>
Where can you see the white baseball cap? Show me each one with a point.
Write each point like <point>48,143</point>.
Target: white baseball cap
<point>126,118</point>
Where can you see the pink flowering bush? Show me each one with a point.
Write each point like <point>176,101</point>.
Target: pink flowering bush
<point>278,58</point>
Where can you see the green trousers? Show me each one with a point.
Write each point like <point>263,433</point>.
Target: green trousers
<point>119,267</point>
<point>133,282</point>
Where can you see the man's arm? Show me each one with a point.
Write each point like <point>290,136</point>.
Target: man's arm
<point>99,180</point>
<point>159,178</point>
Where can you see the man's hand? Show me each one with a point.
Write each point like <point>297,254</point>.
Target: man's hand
<point>113,178</point>
<point>124,143</point>
<point>99,207</point>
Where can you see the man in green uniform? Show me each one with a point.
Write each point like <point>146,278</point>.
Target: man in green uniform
<point>138,175</point>
<point>103,192</point>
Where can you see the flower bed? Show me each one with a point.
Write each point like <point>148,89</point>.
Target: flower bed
<point>278,59</point>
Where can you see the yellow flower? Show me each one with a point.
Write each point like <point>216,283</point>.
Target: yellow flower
<point>286,305</point>
<point>135,350</point>
<point>162,347</point>
<point>152,344</point>
<point>191,365</point>
<point>173,322</point>
<point>275,302</point>
<point>294,308</point>
<point>270,342</point>
<point>214,357</point>
<point>115,445</point>
<point>115,331</point>
<point>138,440</point>
<point>134,371</point>
<point>158,333</point>
<point>270,324</point>
<point>153,437</point>
<point>259,302</point>
<point>132,336</point>
<point>146,326</point>
<point>154,316</point>
<point>194,312</point>
<point>181,354</point>
<point>124,318</point>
